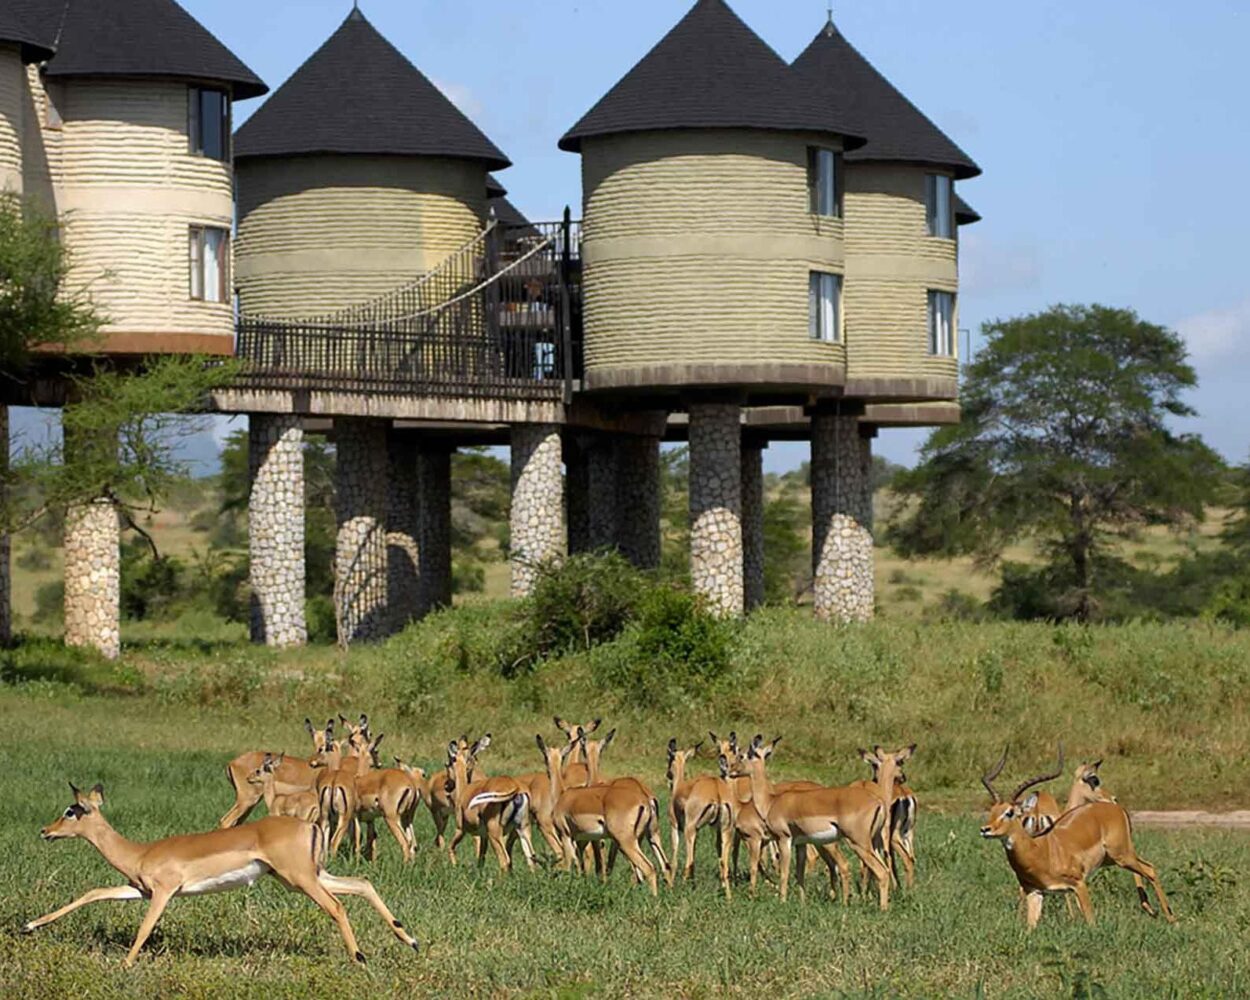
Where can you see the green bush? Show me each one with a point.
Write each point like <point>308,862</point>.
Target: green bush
<point>321,620</point>
<point>150,586</point>
<point>50,602</point>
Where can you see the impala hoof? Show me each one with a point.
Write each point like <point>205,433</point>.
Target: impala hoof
<point>416,946</point>
<point>360,957</point>
<point>27,929</point>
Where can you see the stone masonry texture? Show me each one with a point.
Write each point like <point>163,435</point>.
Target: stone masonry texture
<point>577,492</point>
<point>403,530</point>
<point>842,552</point>
<point>716,506</point>
<point>275,516</point>
<point>753,525</point>
<point>537,516</point>
<point>93,577</point>
<point>361,498</point>
<point>638,499</point>
<point>434,483</point>
<point>6,582</point>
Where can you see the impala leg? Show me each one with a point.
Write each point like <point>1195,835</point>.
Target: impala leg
<point>726,844</point>
<point>639,860</point>
<point>909,862</point>
<point>527,846</point>
<point>690,833</point>
<point>1032,909</point>
<point>1082,900</point>
<point>737,846</point>
<point>440,825</point>
<point>397,831</point>
<point>844,873</point>
<point>114,892</point>
<point>783,864</point>
<point>494,833</point>
<point>455,842</point>
<point>879,872</point>
<point>674,828</point>
<point>311,886</point>
<point>339,886</point>
<point>1144,869</point>
<point>596,848</point>
<point>1140,885</point>
<point>754,845</point>
<point>657,848</point>
<point>548,831</point>
<point>831,860</point>
<point>160,899</point>
<point>800,871</point>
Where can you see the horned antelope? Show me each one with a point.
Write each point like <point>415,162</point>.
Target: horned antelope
<point>1083,840</point>
<point>301,804</point>
<point>622,812</point>
<point>698,802</point>
<point>390,795</point>
<point>488,808</point>
<point>199,863</point>
<point>293,775</point>
<point>821,816</point>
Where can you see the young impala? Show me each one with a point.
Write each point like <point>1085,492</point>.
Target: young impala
<point>199,863</point>
<point>1062,859</point>
<point>294,775</point>
<point>301,804</point>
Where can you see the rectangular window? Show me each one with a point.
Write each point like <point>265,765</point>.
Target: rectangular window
<point>824,181</point>
<point>208,123</point>
<point>824,306</point>
<point>942,324</point>
<point>210,259</point>
<point>938,206</point>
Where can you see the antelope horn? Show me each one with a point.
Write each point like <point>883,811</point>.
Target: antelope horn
<point>988,777</point>
<point>1025,786</point>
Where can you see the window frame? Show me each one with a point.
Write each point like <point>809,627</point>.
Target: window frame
<point>195,122</point>
<point>198,247</point>
<point>934,184</point>
<point>824,314</point>
<point>814,186</point>
<point>936,343</point>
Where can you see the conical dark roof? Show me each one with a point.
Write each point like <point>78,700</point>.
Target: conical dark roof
<point>965,214</point>
<point>133,38</point>
<point>15,28</point>
<point>853,89</point>
<point>358,94</point>
<point>710,71</point>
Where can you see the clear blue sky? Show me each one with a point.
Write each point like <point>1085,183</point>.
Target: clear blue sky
<point>1114,135</point>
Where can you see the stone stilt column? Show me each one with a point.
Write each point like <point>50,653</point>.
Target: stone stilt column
<point>275,528</point>
<point>753,524</point>
<point>361,498</point>
<point>638,499</point>
<point>602,491</point>
<point>866,434</point>
<point>6,583</point>
<point>842,557</point>
<point>403,530</point>
<point>577,493</point>
<point>716,506</point>
<point>93,577</point>
<point>537,517</point>
<point>434,480</point>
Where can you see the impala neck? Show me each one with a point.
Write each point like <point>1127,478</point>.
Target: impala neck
<point>592,765</point>
<point>119,852</point>
<point>761,794</point>
<point>1075,798</point>
<point>555,775</point>
<point>461,772</point>
<point>269,790</point>
<point>678,771</point>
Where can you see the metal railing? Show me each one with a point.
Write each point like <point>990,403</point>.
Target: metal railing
<point>500,318</point>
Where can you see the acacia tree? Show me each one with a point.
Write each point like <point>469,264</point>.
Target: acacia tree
<point>1065,440</point>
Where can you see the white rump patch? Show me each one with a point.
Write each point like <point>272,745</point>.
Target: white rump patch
<point>822,837</point>
<point>240,878</point>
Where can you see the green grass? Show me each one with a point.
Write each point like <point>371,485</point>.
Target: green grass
<point>1165,705</point>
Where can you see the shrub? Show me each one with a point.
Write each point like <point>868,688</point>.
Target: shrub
<point>50,602</point>
<point>150,585</point>
<point>321,620</point>
<point>35,558</point>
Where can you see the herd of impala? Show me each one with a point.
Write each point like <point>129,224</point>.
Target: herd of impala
<point>314,803</point>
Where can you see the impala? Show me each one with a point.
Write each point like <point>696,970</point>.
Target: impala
<point>821,816</point>
<point>301,804</point>
<point>899,838</point>
<point>698,802</point>
<point>543,797</point>
<point>438,798</point>
<point>593,751</point>
<point>387,794</point>
<point>421,786</point>
<point>199,863</point>
<point>1062,859</point>
<point>488,808</point>
<point>576,772</point>
<point>294,775</point>
<point>340,764</point>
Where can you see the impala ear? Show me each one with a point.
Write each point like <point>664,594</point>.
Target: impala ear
<point>308,725</point>
<point>723,761</point>
<point>364,721</point>
<point>608,739</point>
<point>561,725</point>
<point>733,741</point>
<point>376,740</point>
<point>593,726</point>
<point>542,744</point>
<point>672,749</point>
<point>96,795</point>
<point>756,740</point>
<point>1029,803</point>
<point>330,725</point>
<point>564,754</point>
<point>865,756</point>
<point>695,749</point>
<point>1096,765</point>
<point>904,755</point>
<point>453,748</point>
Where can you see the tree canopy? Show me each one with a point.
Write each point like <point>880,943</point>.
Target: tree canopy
<point>1065,439</point>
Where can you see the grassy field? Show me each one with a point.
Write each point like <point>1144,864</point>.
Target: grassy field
<point>1165,705</point>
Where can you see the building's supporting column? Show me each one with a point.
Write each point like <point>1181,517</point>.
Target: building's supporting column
<point>537,517</point>
<point>6,585</point>
<point>638,499</point>
<point>403,529</point>
<point>602,490</point>
<point>842,556</point>
<point>577,492</point>
<point>434,479</point>
<point>360,575</point>
<point>866,433</point>
<point>753,522</point>
<point>275,529</point>
<point>716,506</point>
<point>92,565</point>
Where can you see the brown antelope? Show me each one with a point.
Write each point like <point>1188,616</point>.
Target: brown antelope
<point>542,795</point>
<point>387,794</point>
<point>199,863</point>
<point>1083,840</point>
<point>899,838</point>
<point>294,775</point>
<point>421,786</point>
<point>487,808</point>
<point>593,751</point>
<point>698,802</point>
<point>340,764</point>
<point>821,816</point>
<point>576,771</point>
<point>302,804</point>
<point>621,811</point>
<point>438,798</point>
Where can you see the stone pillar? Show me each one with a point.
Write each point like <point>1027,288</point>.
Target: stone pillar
<point>716,505</point>
<point>361,498</point>
<point>6,585</point>
<point>866,433</point>
<point>537,517</point>
<point>842,557</point>
<point>638,499</point>
<point>403,529</point>
<point>93,577</point>
<point>275,528</point>
<point>577,493</point>
<point>434,479</point>
<point>602,494</point>
<point>753,524</point>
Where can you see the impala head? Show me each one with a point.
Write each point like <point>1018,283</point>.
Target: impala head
<point>410,769</point>
<point>554,757</point>
<point>270,764</point>
<point>755,758</point>
<point>887,765</point>
<point>1008,815</point>
<point>677,758</point>
<point>324,746</point>
<point>575,732</point>
<point>319,736</point>
<point>725,748</point>
<point>80,818</point>
<point>1089,785</point>
<point>593,749</point>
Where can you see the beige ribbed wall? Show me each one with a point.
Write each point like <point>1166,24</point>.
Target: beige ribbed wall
<point>698,246</point>
<point>12,81</point>
<point>128,192</point>
<point>320,233</point>
<point>891,264</point>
